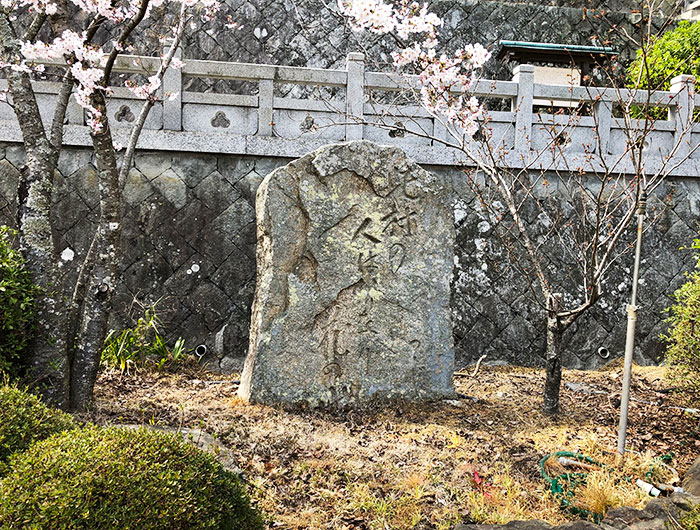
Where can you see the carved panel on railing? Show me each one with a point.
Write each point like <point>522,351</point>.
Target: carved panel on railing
<point>267,125</point>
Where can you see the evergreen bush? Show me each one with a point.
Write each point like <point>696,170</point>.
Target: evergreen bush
<point>683,353</point>
<point>24,419</point>
<point>17,303</point>
<point>121,479</point>
<point>674,53</point>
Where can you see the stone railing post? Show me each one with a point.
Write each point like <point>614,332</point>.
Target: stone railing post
<point>524,75</point>
<point>603,122</point>
<point>75,113</point>
<point>682,113</point>
<point>172,93</point>
<point>355,96</point>
<point>266,95</point>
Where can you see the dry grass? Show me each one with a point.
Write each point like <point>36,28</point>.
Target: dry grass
<point>406,467</point>
<point>604,490</point>
<point>506,498</point>
<point>612,483</point>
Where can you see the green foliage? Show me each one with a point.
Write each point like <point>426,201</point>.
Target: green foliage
<point>691,519</point>
<point>683,354</point>
<point>143,344</point>
<point>673,53</point>
<point>168,357</point>
<point>24,419</point>
<point>17,303</point>
<point>121,479</point>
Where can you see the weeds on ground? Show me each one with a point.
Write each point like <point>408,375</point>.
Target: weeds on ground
<point>391,467</point>
<point>501,497</point>
<point>605,489</point>
<point>691,520</point>
<point>505,499</point>
<point>392,490</point>
<point>611,483</point>
<point>142,346</point>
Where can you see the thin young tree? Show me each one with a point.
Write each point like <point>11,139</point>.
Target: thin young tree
<point>582,204</point>
<point>83,41</point>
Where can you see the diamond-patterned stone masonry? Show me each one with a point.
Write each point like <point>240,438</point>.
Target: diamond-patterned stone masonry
<point>311,33</point>
<point>494,313</point>
<point>193,249</point>
<point>188,211</point>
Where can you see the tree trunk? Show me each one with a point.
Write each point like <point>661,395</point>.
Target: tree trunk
<point>48,360</point>
<point>100,268</point>
<point>555,332</point>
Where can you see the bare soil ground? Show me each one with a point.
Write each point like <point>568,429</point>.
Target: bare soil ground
<point>409,466</point>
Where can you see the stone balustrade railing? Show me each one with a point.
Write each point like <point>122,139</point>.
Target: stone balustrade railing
<point>267,124</point>
<point>691,10</point>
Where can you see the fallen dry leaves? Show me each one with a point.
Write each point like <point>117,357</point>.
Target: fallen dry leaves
<point>409,466</point>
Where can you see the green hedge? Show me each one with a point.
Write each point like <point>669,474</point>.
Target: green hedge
<point>24,419</point>
<point>17,303</point>
<point>674,53</point>
<point>683,353</point>
<point>121,479</point>
<point>691,520</point>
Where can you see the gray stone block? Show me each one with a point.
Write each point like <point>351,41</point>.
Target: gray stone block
<point>148,274</point>
<point>248,185</point>
<point>15,155</point>
<point>9,178</point>
<point>356,247</point>
<point>171,187</point>
<point>70,161</point>
<point>216,193</point>
<point>152,164</point>
<point>193,168</point>
<point>137,188</point>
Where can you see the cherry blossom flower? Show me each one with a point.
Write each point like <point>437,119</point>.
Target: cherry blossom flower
<point>373,15</point>
<point>145,91</point>
<point>444,80</point>
<point>86,61</point>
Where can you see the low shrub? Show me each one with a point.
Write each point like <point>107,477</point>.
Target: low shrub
<point>691,519</point>
<point>17,303</point>
<point>683,353</point>
<point>24,419</point>
<point>121,479</point>
<point>670,54</point>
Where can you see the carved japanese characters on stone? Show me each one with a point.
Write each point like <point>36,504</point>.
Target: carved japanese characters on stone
<point>355,255</point>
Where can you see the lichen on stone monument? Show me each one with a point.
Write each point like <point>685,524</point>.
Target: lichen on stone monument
<point>355,257</point>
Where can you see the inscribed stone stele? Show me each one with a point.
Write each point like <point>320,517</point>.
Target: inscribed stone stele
<point>352,306</point>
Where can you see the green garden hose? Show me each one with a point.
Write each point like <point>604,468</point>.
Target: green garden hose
<point>571,480</point>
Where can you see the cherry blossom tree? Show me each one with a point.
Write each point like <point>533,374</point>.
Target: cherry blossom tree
<point>583,208</point>
<point>443,77</point>
<point>85,39</point>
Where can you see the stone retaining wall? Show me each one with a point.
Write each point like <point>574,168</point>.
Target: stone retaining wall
<point>189,238</point>
<point>189,225</point>
<point>310,32</point>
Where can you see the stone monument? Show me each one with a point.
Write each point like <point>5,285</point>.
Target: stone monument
<point>352,305</point>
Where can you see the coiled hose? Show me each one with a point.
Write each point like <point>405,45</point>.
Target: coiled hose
<point>571,480</point>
